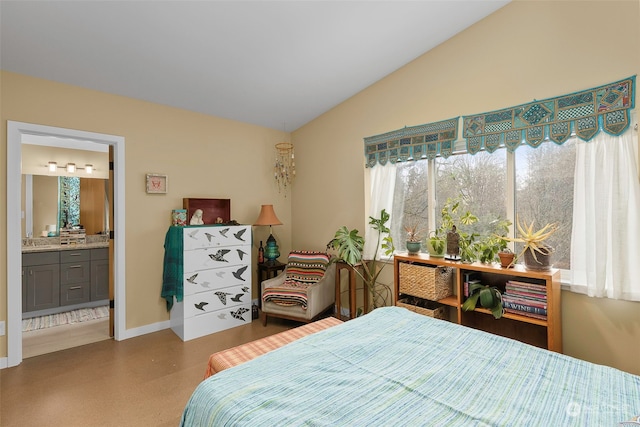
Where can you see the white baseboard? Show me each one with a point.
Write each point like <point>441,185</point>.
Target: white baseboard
<point>143,330</point>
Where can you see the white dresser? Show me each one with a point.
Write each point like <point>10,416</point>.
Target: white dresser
<point>217,281</point>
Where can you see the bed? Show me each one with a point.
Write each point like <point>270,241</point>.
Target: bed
<point>233,356</point>
<point>395,367</point>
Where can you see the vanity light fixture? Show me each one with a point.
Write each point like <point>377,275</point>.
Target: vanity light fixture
<point>71,168</point>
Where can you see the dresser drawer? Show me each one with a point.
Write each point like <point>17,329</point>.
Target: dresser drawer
<point>215,278</point>
<point>40,258</point>
<point>217,237</point>
<point>75,255</point>
<point>75,272</point>
<point>75,293</point>
<point>205,259</point>
<point>215,321</point>
<point>206,302</point>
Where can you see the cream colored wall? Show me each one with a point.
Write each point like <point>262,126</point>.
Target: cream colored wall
<point>526,50</point>
<point>203,156</point>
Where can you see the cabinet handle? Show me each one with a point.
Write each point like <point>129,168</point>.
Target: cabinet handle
<point>75,254</point>
<point>75,266</point>
<point>75,287</point>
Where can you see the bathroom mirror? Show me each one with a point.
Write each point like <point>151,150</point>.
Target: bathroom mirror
<point>41,199</point>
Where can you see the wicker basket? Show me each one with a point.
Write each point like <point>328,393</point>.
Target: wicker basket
<point>426,308</point>
<point>432,283</point>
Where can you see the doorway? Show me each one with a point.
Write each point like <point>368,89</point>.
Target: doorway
<point>16,133</point>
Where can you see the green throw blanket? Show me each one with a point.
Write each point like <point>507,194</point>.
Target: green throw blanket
<point>173,272</point>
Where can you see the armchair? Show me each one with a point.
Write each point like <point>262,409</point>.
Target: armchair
<point>303,291</point>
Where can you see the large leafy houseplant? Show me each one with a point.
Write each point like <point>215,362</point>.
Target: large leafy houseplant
<point>349,246</point>
<point>488,296</point>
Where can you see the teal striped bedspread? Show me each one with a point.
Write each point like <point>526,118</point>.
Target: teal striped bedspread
<point>393,367</point>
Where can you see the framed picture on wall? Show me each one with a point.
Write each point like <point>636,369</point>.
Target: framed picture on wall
<point>157,183</point>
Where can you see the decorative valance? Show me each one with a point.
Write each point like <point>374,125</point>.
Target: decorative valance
<point>412,143</point>
<point>582,113</point>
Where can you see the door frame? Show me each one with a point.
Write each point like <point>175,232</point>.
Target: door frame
<point>15,132</point>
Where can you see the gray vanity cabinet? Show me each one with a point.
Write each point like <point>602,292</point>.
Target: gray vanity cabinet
<point>40,281</point>
<point>57,281</point>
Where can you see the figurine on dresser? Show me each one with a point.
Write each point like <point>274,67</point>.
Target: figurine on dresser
<point>196,218</point>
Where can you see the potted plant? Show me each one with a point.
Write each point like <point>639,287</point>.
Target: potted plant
<point>450,218</point>
<point>414,235</point>
<point>535,250</point>
<point>490,247</point>
<point>507,258</point>
<point>349,246</point>
<point>489,297</point>
<point>436,244</point>
<point>468,247</point>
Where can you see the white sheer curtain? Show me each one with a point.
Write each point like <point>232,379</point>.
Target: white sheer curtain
<point>383,181</point>
<point>605,242</point>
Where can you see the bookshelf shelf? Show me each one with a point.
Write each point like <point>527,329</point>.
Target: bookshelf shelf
<point>532,330</point>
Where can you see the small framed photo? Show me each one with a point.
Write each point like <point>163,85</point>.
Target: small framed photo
<point>157,183</point>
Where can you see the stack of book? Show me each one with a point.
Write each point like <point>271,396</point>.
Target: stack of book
<point>469,278</point>
<point>527,299</point>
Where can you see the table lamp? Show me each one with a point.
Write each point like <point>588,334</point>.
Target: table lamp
<point>268,217</point>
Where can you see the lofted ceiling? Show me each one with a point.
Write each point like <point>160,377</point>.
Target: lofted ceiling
<point>277,64</point>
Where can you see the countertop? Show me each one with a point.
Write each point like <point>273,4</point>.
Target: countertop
<point>70,247</point>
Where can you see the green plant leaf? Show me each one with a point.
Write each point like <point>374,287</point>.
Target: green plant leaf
<point>349,245</point>
<point>497,311</point>
<point>488,297</point>
<point>474,287</point>
<point>470,303</point>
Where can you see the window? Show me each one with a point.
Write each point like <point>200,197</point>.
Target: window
<point>541,183</point>
<point>479,180</point>
<point>410,201</point>
<point>544,193</point>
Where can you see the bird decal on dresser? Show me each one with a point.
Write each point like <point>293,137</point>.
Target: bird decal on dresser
<point>209,236</point>
<point>220,274</point>
<point>237,298</point>
<point>241,254</point>
<point>222,316</point>
<point>193,234</point>
<point>239,312</point>
<point>219,256</point>
<point>222,296</point>
<point>238,274</point>
<point>205,284</point>
<point>239,234</point>
<point>200,305</point>
<point>245,289</point>
<point>192,279</point>
<point>224,232</point>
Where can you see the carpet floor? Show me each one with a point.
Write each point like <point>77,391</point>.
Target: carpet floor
<point>66,318</point>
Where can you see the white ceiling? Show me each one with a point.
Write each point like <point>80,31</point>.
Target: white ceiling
<point>278,64</point>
